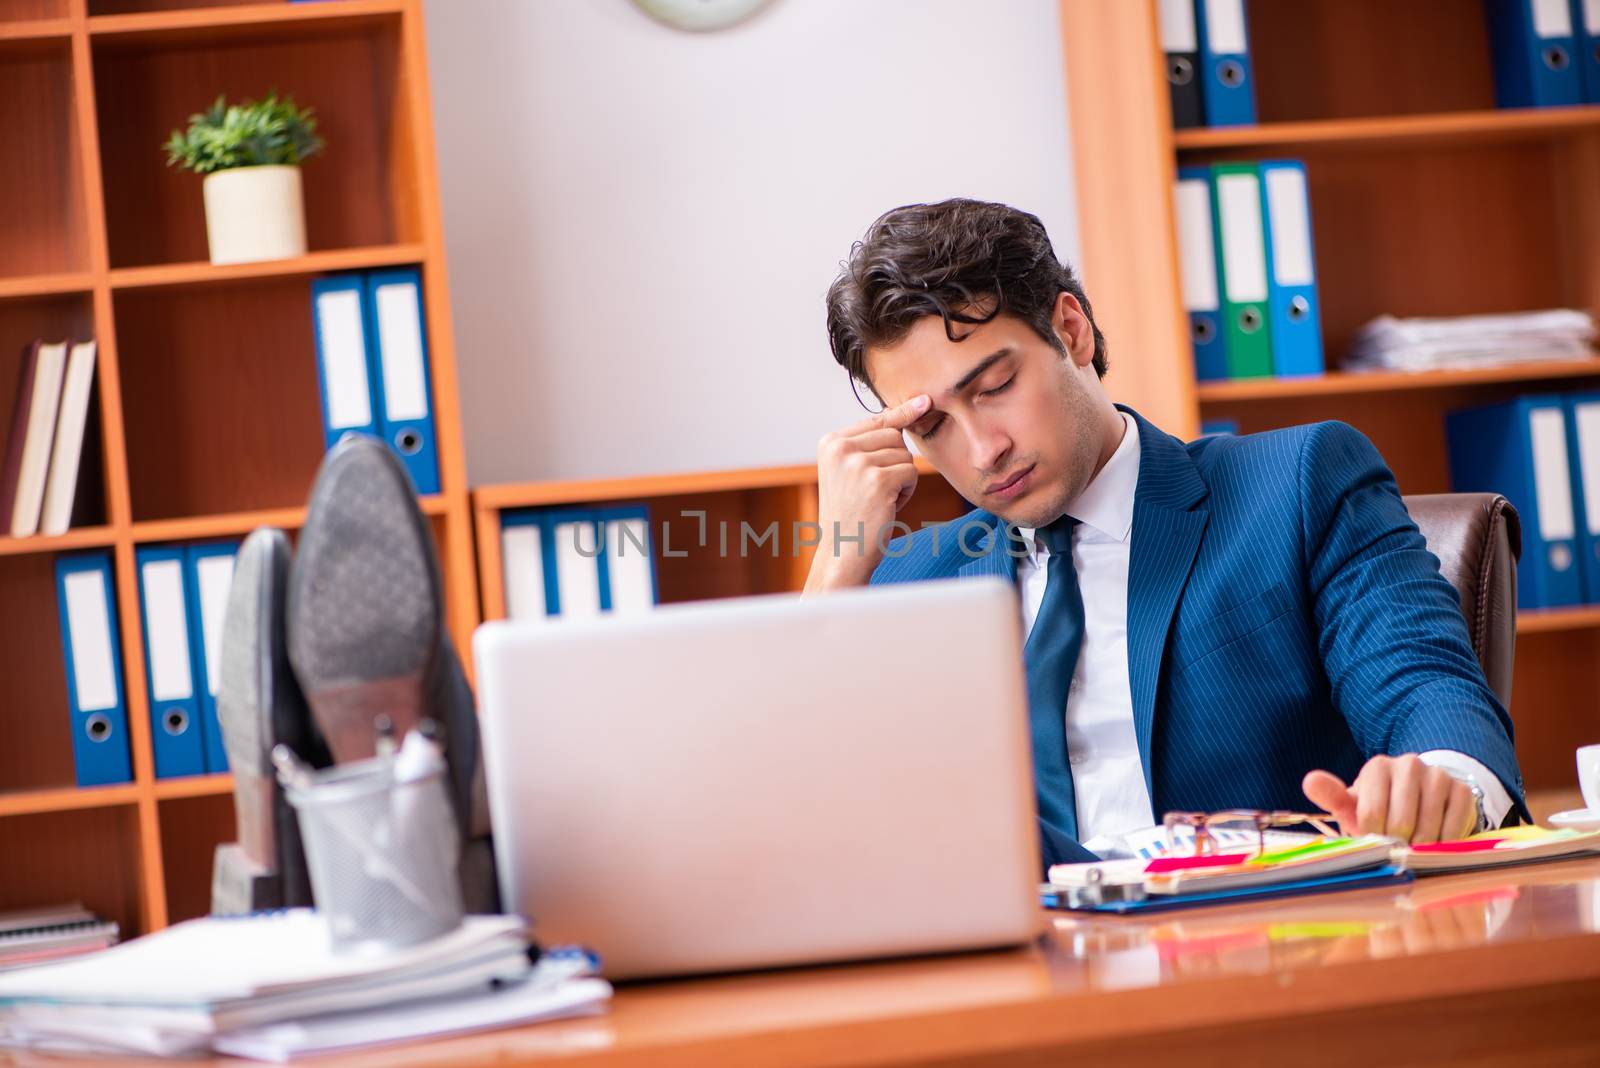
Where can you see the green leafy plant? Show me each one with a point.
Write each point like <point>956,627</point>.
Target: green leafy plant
<point>253,134</point>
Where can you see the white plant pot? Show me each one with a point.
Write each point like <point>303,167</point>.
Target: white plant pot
<point>255,213</point>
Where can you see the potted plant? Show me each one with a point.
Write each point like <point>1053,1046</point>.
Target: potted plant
<point>250,156</point>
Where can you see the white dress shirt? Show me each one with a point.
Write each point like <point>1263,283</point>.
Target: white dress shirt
<point>1102,747</point>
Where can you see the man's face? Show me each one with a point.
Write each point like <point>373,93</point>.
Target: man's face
<point>1016,426</point>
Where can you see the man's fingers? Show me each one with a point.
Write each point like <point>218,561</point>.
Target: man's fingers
<point>1405,794</point>
<point>1436,784</point>
<point>1460,812</point>
<point>1328,792</point>
<point>881,440</point>
<point>1372,796</point>
<point>903,414</point>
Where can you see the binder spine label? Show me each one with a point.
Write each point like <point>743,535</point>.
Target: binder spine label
<point>1291,226</point>
<point>1225,34</point>
<point>345,353</point>
<point>89,626</point>
<point>1552,18</point>
<point>1243,247</point>
<point>1552,486</point>
<point>1196,257</point>
<point>171,677</point>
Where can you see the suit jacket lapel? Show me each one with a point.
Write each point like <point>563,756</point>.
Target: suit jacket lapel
<point>986,554</point>
<point>1167,528</point>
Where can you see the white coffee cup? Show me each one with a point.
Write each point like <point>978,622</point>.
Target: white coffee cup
<point>1589,776</point>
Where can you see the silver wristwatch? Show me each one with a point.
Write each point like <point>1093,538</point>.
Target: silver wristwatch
<point>1482,822</point>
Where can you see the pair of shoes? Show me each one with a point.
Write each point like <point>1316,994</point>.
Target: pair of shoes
<point>361,620</point>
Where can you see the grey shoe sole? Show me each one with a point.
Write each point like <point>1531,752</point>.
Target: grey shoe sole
<point>259,704</point>
<point>364,602</point>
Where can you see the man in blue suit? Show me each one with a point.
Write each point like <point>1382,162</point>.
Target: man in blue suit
<point>1235,622</point>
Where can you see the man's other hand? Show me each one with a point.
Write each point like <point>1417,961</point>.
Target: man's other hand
<point>1398,796</point>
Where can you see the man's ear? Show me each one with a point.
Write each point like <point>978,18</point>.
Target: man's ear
<point>1073,328</point>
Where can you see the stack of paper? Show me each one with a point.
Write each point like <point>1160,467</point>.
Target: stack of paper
<point>271,982</point>
<point>1510,845</point>
<point>1468,341</point>
<point>32,936</point>
<point>1301,858</point>
<point>1316,859</point>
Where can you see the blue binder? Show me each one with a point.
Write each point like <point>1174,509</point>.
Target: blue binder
<point>176,737</point>
<point>95,697</point>
<point>627,559</point>
<point>1519,448</point>
<point>574,573</point>
<point>1586,29</point>
<point>1535,53</point>
<point>344,371</point>
<point>401,388</point>
<point>1583,447</point>
<point>1293,311</point>
<point>208,570</point>
<point>1228,86</point>
<point>522,560</point>
<point>1198,270</point>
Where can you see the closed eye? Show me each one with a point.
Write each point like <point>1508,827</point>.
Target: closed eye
<point>927,432</point>
<point>1001,388</point>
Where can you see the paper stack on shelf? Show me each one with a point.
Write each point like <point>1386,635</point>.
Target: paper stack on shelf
<point>270,986</point>
<point>52,933</point>
<point>1469,341</point>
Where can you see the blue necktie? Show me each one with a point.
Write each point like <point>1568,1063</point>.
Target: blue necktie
<point>1052,656</point>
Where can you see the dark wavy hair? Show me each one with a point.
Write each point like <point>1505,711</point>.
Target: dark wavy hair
<point>966,261</point>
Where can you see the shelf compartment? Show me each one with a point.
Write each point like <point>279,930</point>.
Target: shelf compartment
<point>541,494</point>
<point>1333,59</point>
<point>191,830</point>
<point>1345,384</point>
<point>238,524</point>
<point>1552,620</point>
<point>194,786</point>
<point>219,398</point>
<point>37,716</point>
<point>42,210</point>
<point>14,12</point>
<point>89,855</point>
<point>360,194</point>
<point>1406,425</point>
<point>150,20</point>
<point>1554,673</point>
<point>1401,131</point>
<point>69,799</point>
<point>34,29</point>
<point>203,275</point>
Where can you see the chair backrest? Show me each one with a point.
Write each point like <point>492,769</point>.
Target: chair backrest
<point>1478,539</point>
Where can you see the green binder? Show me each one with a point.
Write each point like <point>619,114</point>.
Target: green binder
<point>1242,255</point>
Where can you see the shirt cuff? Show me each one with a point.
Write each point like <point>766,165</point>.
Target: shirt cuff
<point>1496,802</point>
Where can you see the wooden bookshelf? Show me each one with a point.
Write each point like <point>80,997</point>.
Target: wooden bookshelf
<point>1426,201</point>
<point>1509,124</point>
<point>208,399</point>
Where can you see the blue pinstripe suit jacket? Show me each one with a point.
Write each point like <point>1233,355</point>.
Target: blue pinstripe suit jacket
<point>1284,614</point>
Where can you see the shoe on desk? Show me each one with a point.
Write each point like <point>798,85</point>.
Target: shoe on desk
<point>366,633</point>
<point>259,705</point>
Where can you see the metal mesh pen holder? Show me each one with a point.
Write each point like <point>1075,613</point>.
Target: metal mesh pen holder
<point>382,854</point>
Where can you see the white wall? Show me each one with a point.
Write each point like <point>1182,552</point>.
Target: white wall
<point>642,223</point>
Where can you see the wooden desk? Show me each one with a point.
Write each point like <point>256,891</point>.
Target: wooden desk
<point>1476,969</point>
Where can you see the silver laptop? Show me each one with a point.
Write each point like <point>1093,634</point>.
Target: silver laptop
<point>766,781</point>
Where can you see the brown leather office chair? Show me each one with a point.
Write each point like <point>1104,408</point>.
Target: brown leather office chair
<point>1478,539</point>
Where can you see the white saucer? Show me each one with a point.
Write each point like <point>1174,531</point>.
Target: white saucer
<point>1578,819</point>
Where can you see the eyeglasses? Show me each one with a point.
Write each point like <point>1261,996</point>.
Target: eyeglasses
<point>1212,833</point>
